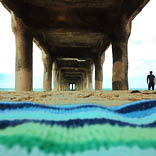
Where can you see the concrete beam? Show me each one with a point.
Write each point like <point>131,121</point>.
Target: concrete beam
<point>76,4</point>
<point>130,9</point>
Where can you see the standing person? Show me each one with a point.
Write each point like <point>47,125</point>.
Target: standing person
<point>150,81</point>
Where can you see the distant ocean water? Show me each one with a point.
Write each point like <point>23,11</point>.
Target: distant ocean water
<point>41,89</point>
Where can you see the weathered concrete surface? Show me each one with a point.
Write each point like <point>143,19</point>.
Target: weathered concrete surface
<point>78,29</point>
<point>24,40</point>
<point>47,81</point>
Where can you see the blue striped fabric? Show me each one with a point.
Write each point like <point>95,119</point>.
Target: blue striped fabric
<point>77,129</point>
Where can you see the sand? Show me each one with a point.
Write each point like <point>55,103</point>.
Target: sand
<point>106,98</point>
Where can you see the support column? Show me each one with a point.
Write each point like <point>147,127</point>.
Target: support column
<point>68,86</point>
<point>59,80</point>
<point>55,77</point>
<point>120,65</point>
<point>84,81</point>
<point>120,58</point>
<point>81,83</point>
<point>63,81</point>
<point>24,43</point>
<point>90,79</point>
<point>98,74</point>
<point>47,81</point>
<point>78,86</point>
<point>65,84</point>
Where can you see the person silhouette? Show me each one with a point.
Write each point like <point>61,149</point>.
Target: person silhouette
<point>150,80</point>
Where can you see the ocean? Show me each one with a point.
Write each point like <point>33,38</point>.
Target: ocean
<point>41,89</point>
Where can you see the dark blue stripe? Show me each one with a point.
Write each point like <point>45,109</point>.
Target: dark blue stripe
<point>143,105</point>
<point>30,105</point>
<point>138,107</point>
<point>74,123</point>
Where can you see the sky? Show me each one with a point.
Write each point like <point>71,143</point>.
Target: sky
<point>141,52</point>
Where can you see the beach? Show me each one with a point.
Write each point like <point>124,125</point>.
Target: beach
<point>106,98</point>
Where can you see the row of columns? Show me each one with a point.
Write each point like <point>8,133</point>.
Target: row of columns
<point>82,82</point>
<point>24,70</point>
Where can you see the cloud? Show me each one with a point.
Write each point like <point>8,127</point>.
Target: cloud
<point>37,61</point>
<point>143,26</point>
<point>142,42</point>
<point>7,43</point>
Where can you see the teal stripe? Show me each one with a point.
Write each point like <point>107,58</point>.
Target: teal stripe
<point>41,115</point>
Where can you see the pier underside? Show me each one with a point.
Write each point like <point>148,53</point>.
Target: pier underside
<point>73,36</point>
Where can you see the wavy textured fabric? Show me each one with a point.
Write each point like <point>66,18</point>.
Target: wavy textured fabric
<point>32,129</point>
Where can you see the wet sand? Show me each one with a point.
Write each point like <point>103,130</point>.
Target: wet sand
<point>106,98</point>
